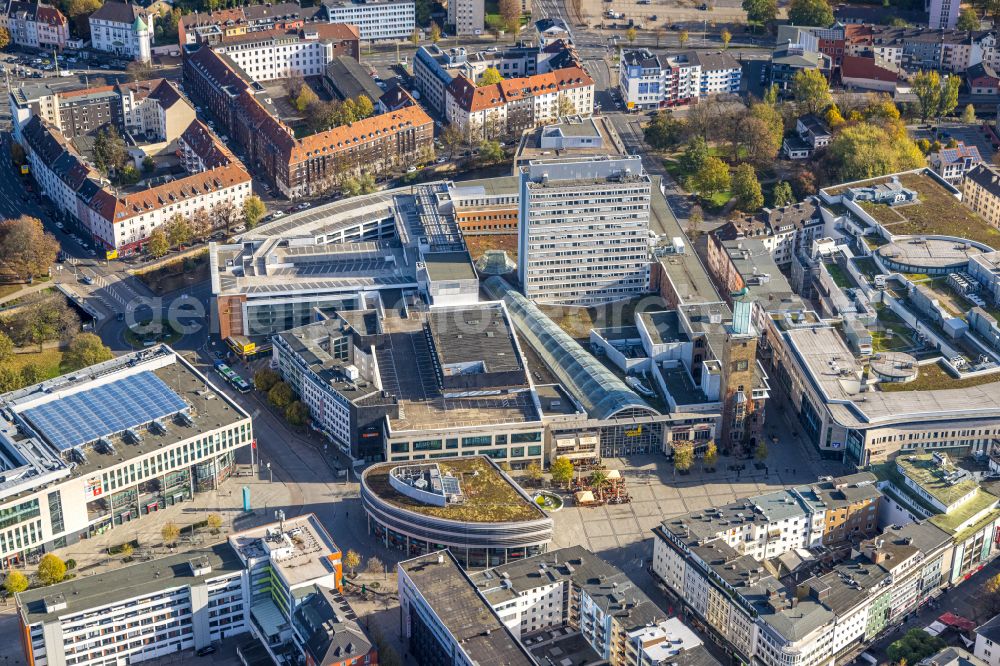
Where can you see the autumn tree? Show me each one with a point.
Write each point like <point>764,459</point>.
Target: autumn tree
<point>760,453</point>
<point>935,97</point>
<point>4,38</point>
<point>178,230</point>
<point>968,19</point>
<point>811,13</point>
<point>811,90</point>
<point>415,37</point>
<point>490,152</point>
<point>435,34</point>
<point>375,566</point>
<point>562,471</point>
<point>296,413</point>
<point>760,11</point>
<point>281,395</point>
<point>969,114</point>
<point>51,569</point>
<point>712,178</point>
<point>694,155</point>
<point>26,250</point>
<point>138,70</point>
<point>782,194</point>
<point>265,379</point>
<point>664,132</point>
<point>363,107</point>
<point>15,582</point>
<point>866,150</point>
<point>726,37</point>
<point>214,522</point>
<point>682,38</point>
<point>992,589</point>
<point>157,245</point>
<point>534,472</point>
<point>110,151</point>
<point>711,455</point>
<point>85,350</point>
<point>683,456</point>
<point>352,561</point>
<point>170,533</point>
<point>6,347</point>
<point>452,138</point>
<point>630,35</point>
<point>305,97</point>
<point>762,133</point>
<point>746,189</point>
<point>490,76</point>
<point>510,10</point>
<point>253,211</point>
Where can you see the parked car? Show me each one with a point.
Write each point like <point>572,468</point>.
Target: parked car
<point>205,651</point>
<point>86,279</point>
<point>240,229</point>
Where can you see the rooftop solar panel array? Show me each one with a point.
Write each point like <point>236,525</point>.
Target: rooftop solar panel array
<point>88,415</point>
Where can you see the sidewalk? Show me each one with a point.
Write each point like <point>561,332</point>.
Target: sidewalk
<point>28,289</point>
<point>91,554</point>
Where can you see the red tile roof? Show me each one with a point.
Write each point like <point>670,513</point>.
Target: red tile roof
<point>866,68</point>
<point>360,132</point>
<point>472,98</point>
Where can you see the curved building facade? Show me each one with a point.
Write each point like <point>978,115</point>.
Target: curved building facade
<point>492,523</point>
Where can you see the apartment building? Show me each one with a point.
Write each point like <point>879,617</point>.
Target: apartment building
<point>790,59</point>
<point>216,26</point>
<point>35,25</point>
<point>123,28</point>
<point>123,220</point>
<point>438,633</point>
<point>468,16</point>
<point>152,109</point>
<point>158,432</point>
<point>583,230</point>
<point>953,163</point>
<point>194,599</point>
<point>942,14</point>
<point>822,613</point>
<point>570,593</point>
<point>434,68</point>
<point>268,55</point>
<point>981,192</point>
<point>374,19</point>
<point>312,164</point>
<point>783,232</point>
<point>649,81</point>
<point>516,104</point>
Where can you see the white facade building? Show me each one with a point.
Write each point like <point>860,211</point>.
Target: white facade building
<point>269,57</point>
<point>375,19</point>
<point>122,28</point>
<point>942,13</point>
<point>648,81</point>
<point>468,16</point>
<point>72,483</point>
<point>583,228</point>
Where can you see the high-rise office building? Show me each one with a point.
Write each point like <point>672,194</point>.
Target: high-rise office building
<point>584,230</point>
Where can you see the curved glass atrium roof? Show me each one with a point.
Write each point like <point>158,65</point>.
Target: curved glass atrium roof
<point>600,392</point>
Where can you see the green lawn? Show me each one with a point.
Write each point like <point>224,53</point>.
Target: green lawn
<point>840,277</point>
<point>49,361</point>
<point>933,377</point>
<point>867,267</point>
